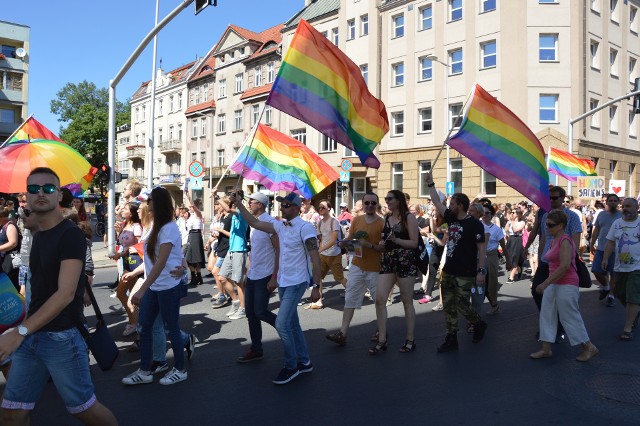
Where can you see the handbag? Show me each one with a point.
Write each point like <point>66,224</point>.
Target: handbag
<point>584,277</point>
<point>422,256</point>
<point>100,343</point>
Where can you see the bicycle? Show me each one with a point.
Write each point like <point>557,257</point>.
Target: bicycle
<point>100,228</point>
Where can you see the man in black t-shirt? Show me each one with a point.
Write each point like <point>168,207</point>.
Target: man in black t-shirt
<point>48,343</point>
<point>464,267</point>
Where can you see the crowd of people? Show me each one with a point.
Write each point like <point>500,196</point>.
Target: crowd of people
<point>162,252</point>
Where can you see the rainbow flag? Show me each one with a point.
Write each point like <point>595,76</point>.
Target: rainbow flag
<point>319,84</point>
<point>569,166</point>
<point>495,139</point>
<point>280,162</point>
<point>32,129</point>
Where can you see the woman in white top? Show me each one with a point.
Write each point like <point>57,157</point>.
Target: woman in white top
<point>496,238</point>
<point>195,244</point>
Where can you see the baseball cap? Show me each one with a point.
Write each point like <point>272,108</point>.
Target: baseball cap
<point>343,204</point>
<point>260,197</point>
<point>290,198</point>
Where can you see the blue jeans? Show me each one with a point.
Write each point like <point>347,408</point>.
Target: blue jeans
<point>160,340</point>
<point>288,326</point>
<point>167,304</point>
<point>256,305</point>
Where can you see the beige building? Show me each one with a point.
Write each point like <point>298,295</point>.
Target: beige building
<point>14,76</point>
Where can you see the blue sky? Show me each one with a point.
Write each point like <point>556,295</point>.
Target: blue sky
<point>76,40</point>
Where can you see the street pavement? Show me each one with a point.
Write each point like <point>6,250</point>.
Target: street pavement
<point>489,383</point>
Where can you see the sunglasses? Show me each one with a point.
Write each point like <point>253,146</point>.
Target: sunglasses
<point>370,203</point>
<point>387,199</point>
<point>47,188</point>
<point>554,197</point>
<point>285,205</point>
<point>551,225</point>
<point>567,201</point>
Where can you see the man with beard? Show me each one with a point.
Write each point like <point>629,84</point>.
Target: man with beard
<point>603,223</point>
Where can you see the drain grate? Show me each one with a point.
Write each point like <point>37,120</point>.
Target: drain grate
<point>617,387</point>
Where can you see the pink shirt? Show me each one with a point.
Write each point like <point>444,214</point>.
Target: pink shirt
<point>553,257</point>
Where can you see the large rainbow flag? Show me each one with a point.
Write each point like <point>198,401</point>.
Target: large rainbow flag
<point>495,139</point>
<point>280,162</point>
<point>319,84</point>
<point>569,166</point>
<point>32,129</point>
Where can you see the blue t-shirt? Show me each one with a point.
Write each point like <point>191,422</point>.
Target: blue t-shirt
<point>238,239</point>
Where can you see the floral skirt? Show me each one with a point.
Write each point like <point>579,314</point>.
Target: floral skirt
<point>399,261</point>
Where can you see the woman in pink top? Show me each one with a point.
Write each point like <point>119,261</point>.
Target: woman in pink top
<point>560,293</point>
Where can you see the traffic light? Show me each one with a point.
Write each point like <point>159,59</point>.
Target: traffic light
<point>202,4</point>
<point>104,173</point>
<point>636,98</point>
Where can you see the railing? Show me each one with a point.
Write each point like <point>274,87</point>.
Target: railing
<point>174,145</point>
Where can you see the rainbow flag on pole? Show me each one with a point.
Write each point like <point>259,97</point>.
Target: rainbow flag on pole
<point>319,84</point>
<point>569,166</point>
<point>280,162</point>
<point>495,139</point>
<point>32,129</point>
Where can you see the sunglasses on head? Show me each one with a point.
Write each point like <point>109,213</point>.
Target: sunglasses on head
<point>47,188</point>
<point>370,203</point>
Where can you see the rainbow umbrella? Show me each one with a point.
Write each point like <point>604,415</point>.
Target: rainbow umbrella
<point>19,158</point>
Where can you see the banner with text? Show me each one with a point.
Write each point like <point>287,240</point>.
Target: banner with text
<point>591,187</point>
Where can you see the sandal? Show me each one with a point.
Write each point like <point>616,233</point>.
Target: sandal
<point>375,336</point>
<point>626,336</point>
<point>409,346</point>
<point>315,305</point>
<point>380,346</point>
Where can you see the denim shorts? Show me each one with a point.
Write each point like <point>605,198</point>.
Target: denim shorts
<point>62,355</point>
<point>219,262</point>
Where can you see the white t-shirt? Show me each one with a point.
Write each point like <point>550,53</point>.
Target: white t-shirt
<point>626,237</point>
<point>184,232</point>
<point>495,235</point>
<point>170,234</point>
<point>262,254</point>
<point>295,266</point>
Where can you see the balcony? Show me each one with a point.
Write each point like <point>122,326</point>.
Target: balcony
<point>136,151</point>
<point>170,147</point>
<point>11,95</point>
<point>12,63</point>
<point>218,171</point>
<point>170,179</point>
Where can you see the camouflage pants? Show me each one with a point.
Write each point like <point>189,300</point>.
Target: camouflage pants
<point>456,294</point>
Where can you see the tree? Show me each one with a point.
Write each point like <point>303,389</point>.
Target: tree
<point>85,110</point>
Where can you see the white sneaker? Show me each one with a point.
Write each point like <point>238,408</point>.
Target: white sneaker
<point>138,377</point>
<point>234,308</point>
<point>174,376</point>
<point>240,313</point>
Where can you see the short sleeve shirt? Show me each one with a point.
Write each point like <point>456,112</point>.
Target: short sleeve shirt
<point>462,249</point>
<point>325,229</point>
<point>626,236</point>
<point>604,220</point>
<point>262,253</point>
<point>169,234</point>
<point>295,266</point>
<point>495,235</point>
<point>238,238</point>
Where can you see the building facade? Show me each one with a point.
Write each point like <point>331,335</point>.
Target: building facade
<point>14,76</point>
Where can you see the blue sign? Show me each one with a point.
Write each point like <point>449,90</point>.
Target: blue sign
<point>345,176</point>
<point>450,188</point>
<point>346,165</point>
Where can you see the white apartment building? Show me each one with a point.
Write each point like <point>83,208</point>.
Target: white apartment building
<point>14,76</point>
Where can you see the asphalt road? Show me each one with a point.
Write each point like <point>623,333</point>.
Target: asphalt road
<point>489,383</point>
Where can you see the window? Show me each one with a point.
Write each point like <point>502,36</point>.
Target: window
<point>613,119</point>
<point>328,144</point>
<point>194,128</point>
<point>180,132</point>
<point>220,158</point>
<point>159,107</point>
<point>325,34</point>
<point>160,139</point>
<point>487,5</point>
<point>426,69</point>
<point>171,103</point>
<point>456,174</point>
<point>203,126</point>
<point>396,176</point>
<point>196,95</point>
<point>426,18</point>
<point>205,93</point>
<point>425,122</point>
<point>351,29</point>
<point>424,168</point>
<point>137,139</point>
<point>359,188</point>
<point>633,21</point>
<point>595,6</point>
<point>548,1</point>
<point>255,113</point>
<point>267,114</point>
<point>203,158</point>
<point>365,72</point>
<point>594,119</point>
<point>632,69</point>
<point>488,183</point>
<point>144,138</point>
<point>612,167</point>
<point>221,123</point>
<point>548,47</point>
<point>397,26</point>
<point>613,62</point>
<point>170,133</point>
<point>137,115</point>
<point>222,89</point>
<point>595,55</point>
<point>239,81</point>
<point>8,51</point>
<point>300,135</point>
<point>455,60</point>
<point>455,115</point>
<point>271,74</point>
<point>179,101</point>
<point>548,108</point>
<point>364,25</point>
<point>455,10</point>
<point>144,112</point>
<point>397,73</point>
<point>7,116</point>
<point>613,7</point>
<point>349,153</point>
<point>488,54</point>
<point>397,123</point>
<point>334,36</point>
<point>257,77</point>
<point>633,128</point>
<point>237,120</point>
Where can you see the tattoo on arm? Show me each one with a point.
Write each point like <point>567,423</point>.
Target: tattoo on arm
<point>311,244</point>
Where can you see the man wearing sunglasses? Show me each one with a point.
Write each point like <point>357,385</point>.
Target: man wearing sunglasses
<point>48,343</point>
<point>298,252</point>
<point>364,271</point>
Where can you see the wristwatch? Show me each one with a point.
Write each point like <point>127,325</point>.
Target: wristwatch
<point>23,331</point>
<point>482,270</point>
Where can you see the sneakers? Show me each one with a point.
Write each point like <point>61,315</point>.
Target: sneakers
<point>250,355</point>
<point>174,376</point>
<point>234,308</point>
<point>478,331</point>
<point>158,367</point>
<point>129,330</point>
<point>611,302</point>
<point>337,338</point>
<point>425,299</point>
<point>190,347</point>
<point>450,343</point>
<point>367,295</point>
<point>239,314</point>
<point>221,302</point>
<point>286,375</point>
<point>305,368</point>
<point>602,293</point>
<point>138,377</point>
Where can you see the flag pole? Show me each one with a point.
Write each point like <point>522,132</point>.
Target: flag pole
<point>451,130</point>
<point>255,129</point>
<point>15,131</point>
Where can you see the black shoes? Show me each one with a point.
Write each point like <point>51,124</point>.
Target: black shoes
<point>450,343</point>
<point>478,331</point>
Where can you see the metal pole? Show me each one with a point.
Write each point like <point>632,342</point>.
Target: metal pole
<point>446,117</point>
<point>152,119</point>
<point>570,149</point>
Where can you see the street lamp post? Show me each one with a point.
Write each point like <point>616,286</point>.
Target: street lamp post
<point>447,121</point>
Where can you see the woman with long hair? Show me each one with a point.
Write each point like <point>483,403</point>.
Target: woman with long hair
<point>515,227</point>
<point>222,226</point>
<point>398,265</point>
<point>78,204</point>
<point>195,246</point>
<point>160,292</point>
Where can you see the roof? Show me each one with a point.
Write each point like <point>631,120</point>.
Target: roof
<point>273,34</point>
<point>177,75</point>
<point>314,10</point>
<point>200,107</point>
<point>256,91</point>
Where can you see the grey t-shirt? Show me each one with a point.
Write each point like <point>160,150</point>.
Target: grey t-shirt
<point>604,221</point>
<point>325,229</point>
